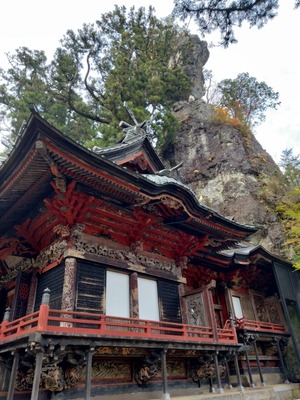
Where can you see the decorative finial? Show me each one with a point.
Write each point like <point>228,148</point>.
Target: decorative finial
<point>132,131</point>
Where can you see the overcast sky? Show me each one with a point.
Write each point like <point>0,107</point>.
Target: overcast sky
<point>270,54</point>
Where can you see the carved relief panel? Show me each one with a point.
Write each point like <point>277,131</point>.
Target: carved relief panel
<point>274,310</point>
<point>260,308</point>
<point>195,310</point>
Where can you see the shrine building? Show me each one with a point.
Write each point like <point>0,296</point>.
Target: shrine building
<point>116,280</point>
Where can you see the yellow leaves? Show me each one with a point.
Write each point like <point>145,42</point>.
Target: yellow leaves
<point>223,116</point>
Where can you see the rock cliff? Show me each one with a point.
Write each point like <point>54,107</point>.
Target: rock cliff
<point>224,167</point>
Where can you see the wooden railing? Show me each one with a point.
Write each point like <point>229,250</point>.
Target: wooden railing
<point>79,323</point>
<point>252,325</point>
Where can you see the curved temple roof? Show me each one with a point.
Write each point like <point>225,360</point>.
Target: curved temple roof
<point>42,153</point>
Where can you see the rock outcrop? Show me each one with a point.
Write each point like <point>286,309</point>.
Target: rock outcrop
<point>192,56</point>
<point>224,168</point>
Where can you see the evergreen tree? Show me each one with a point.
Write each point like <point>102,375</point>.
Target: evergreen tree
<point>225,15</point>
<point>122,57</point>
<point>289,205</point>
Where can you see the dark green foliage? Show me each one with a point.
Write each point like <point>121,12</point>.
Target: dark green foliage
<point>288,207</point>
<point>122,57</point>
<point>290,164</point>
<point>225,15</point>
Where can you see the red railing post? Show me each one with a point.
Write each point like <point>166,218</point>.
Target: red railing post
<point>43,317</point>
<point>184,330</point>
<point>44,311</point>
<point>5,322</point>
<point>148,328</point>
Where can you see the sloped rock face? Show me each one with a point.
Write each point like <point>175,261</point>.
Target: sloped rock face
<point>224,169</point>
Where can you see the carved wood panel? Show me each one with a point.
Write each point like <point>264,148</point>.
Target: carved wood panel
<point>247,306</point>
<point>195,310</point>
<point>274,310</point>
<point>260,308</point>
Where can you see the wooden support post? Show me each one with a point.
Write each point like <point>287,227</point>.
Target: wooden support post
<point>134,295</point>
<point>237,371</point>
<point>286,379</point>
<point>258,363</point>
<point>211,386</point>
<point>249,369</point>
<point>229,385</point>
<point>216,361</point>
<point>207,295</point>
<point>69,286</point>
<point>88,376</point>
<point>13,376</point>
<point>37,375</point>
<point>166,395</point>
<point>3,374</point>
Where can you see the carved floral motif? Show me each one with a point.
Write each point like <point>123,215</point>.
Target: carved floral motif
<point>51,255</point>
<point>207,370</point>
<point>147,370</point>
<point>52,378</point>
<point>12,272</point>
<point>195,310</point>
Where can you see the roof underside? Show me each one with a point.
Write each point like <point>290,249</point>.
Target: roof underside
<point>44,159</point>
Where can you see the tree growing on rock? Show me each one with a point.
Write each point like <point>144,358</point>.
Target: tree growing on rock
<point>246,99</point>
